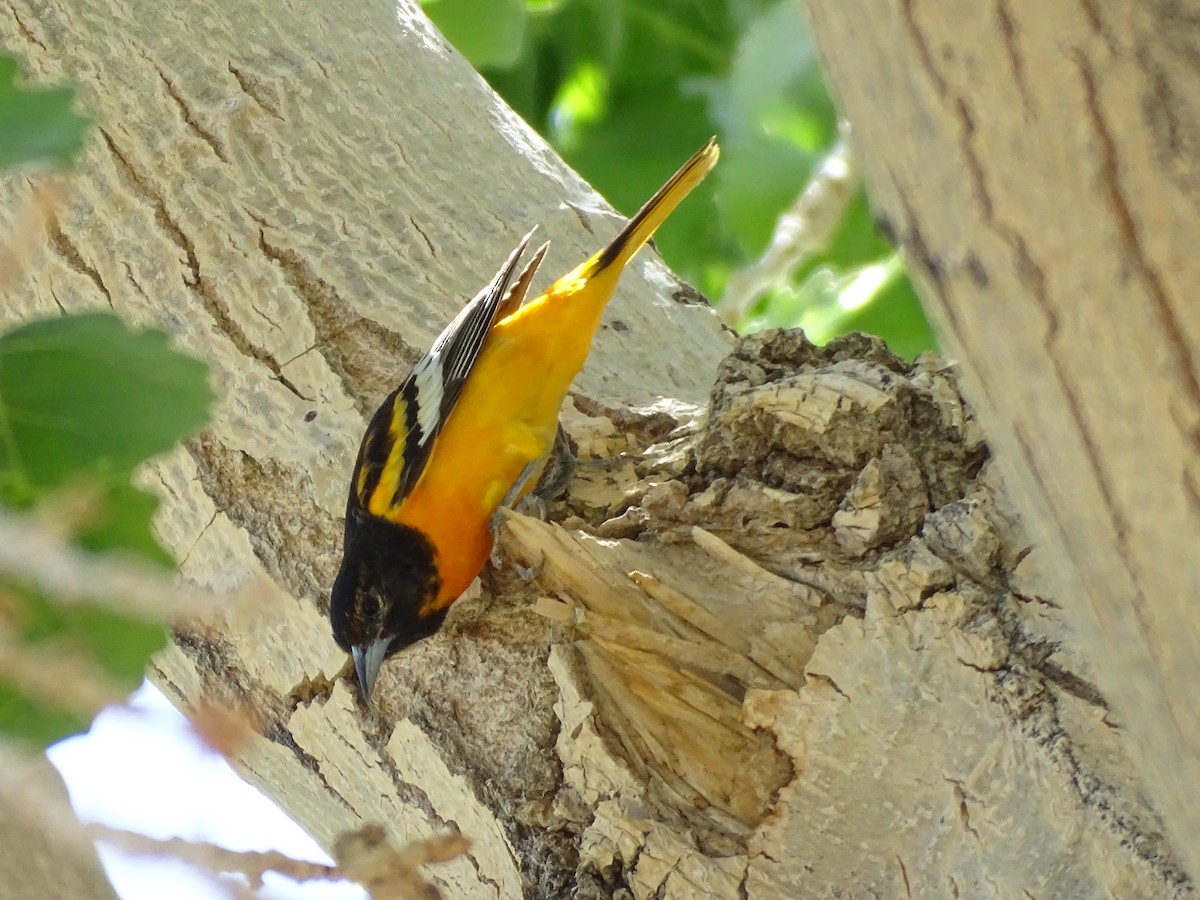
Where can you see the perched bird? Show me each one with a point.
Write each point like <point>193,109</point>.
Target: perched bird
<point>468,431</point>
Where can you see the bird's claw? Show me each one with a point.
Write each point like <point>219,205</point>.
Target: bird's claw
<point>529,573</point>
<point>496,556</point>
<point>536,503</point>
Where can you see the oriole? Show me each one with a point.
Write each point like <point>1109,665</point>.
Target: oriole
<point>468,431</point>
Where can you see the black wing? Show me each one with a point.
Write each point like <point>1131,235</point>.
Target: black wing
<point>402,432</point>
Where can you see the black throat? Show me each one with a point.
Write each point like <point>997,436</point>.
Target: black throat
<point>395,563</point>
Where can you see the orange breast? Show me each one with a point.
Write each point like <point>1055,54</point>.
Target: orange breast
<point>505,418</point>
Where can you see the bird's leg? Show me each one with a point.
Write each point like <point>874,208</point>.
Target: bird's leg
<point>556,468</point>
<point>557,473</point>
<point>498,517</point>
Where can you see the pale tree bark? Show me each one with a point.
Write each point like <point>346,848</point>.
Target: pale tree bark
<point>46,851</point>
<point>1036,163</point>
<point>786,646</point>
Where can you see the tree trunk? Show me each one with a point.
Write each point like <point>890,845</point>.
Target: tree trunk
<point>787,648</point>
<point>1035,162</point>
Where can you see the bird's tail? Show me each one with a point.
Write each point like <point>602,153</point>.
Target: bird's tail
<point>640,228</point>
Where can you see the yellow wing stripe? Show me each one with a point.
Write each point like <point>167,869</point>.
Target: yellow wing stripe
<point>380,501</point>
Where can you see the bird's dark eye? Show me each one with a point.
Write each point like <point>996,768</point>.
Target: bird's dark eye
<point>370,605</point>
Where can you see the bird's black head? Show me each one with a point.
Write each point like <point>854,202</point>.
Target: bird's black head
<point>388,576</point>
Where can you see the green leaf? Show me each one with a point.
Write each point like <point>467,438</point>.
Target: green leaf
<point>86,395</point>
<point>121,520</point>
<point>32,722</point>
<point>113,644</point>
<point>581,101</point>
<point>758,181</point>
<point>856,242</point>
<point>774,88</point>
<point>38,126</point>
<point>117,643</point>
<point>675,39</point>
<point>121,645</point>
<point>895,315</point>
<point>84,400</point>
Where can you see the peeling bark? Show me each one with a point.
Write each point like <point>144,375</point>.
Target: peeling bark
<point>780,639</point>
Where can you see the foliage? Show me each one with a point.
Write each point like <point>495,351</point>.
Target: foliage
<point>38,125</point>
<point>83,401</point>
<point>627,90</point>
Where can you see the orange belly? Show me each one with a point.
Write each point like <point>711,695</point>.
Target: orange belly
<point>505,419</point>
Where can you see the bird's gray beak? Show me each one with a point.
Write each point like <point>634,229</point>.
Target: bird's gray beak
<point>367,661</point>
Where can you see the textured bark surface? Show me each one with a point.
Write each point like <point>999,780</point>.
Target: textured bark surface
<point>785,647</point>
<point>1036,163</point>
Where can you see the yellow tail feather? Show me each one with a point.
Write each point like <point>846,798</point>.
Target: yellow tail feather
<point>640,228</point>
